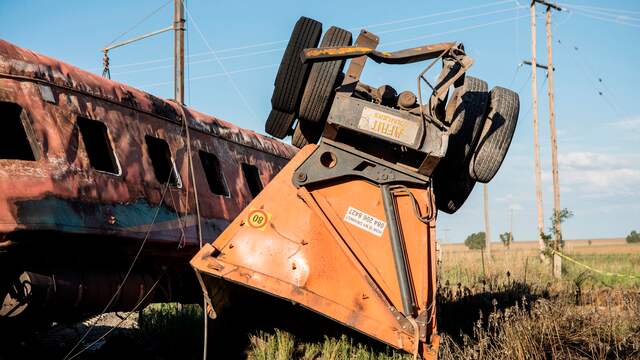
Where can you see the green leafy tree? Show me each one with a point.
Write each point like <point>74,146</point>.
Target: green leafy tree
<point>633,237</point>
<point>506,238</point>
<point>559,217</point>
<point>475,241</point>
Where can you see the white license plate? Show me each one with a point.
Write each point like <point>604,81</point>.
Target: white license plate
<point>389,126</point>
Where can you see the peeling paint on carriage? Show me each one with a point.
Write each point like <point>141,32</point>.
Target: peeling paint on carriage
<point>60,195</point>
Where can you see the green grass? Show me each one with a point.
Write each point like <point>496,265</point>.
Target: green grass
<point>284,346</point>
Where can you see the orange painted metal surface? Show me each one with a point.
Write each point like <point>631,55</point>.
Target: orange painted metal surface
<point>327,248</point>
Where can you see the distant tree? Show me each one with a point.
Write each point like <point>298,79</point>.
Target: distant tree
<point>558,217</point>
<point>506,238</point>
<point>475,241</point>
<point>633,237</point>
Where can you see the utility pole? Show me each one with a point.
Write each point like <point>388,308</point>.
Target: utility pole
<point>510,227</point>
<point>487,227</point>
<point>557,260</point>
<point>536,143</point>
<point>178,50</point>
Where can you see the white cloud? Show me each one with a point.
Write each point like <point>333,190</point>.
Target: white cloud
<point>598,174</point>
<point>632,124</point>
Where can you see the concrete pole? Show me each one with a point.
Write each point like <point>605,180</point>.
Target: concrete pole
<point>178,51</point>
<point>536,142</point>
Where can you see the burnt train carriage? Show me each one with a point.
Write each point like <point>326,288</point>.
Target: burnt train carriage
<point>91,168</point>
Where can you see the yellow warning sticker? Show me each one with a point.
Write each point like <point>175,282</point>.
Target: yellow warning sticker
<point>258,219</point>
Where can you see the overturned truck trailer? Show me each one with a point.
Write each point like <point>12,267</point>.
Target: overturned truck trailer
<point>347,228</point>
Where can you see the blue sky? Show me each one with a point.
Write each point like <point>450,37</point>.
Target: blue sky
<point>596,81</point>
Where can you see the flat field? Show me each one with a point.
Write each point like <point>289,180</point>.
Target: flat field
<point>504,306</point>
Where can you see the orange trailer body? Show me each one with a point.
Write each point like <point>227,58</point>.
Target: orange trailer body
<point>327,247</point>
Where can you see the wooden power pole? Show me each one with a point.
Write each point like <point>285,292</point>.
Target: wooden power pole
<point>557,260</point>
<point>510,227</point>
<point>178,50</point>
<point>487,226</point>
<point>536,143</point>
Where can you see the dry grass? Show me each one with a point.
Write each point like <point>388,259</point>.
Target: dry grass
<point>509,309</point>
<point>513,309</point>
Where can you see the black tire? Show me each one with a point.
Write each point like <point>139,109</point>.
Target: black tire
<point>323,76</point>
<point>496,136</point>
<point>292,73</point>
<point>465,112</point>
<point>452,191</point>
<point>306,133</point>
<point>279,123</point>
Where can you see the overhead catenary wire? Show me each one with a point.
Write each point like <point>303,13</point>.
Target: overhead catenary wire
<point>456,30</point>
<point>602,15</point>
<point>614,21</point>
<point>262,67</point>
<point>601,8</point>
<point>370,26</point>
<point>594,79</point>
<point>214,75</point>
<point>281,49</point>
<point>139,22</point>
<point>621,17</point>
<point>135,308</point>
<point>128,273</point>
<point>222,66</point>
<point>160,67</point>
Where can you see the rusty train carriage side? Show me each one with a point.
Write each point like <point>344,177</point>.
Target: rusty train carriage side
<point>59,215</point>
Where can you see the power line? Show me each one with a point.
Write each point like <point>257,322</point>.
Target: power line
<point>261,67</point>
<point>456,30</point>
<point>282,49</point>
<point>606,9</point>
<point>198,61</point>
<point>224,69</point>
<point>445,21</point>
<point>140,22</point>
<point>214,75</point>
<point>393,22</point>
<point>245,47</point>
<point>128,273</point>
<point>595,79</point>
<point>613,16</point>
<point>135,308</point>
<point>614,21</point>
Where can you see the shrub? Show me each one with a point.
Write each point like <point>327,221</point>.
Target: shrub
<point>475,241</point>
<point>633,237</point>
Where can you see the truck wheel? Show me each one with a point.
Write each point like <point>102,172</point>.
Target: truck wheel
<point>306,133</point>
<point>323,77</point>
<point>452,189</point>
<point>292,73</point>
<point>279,123</point>
<point>499,126</point>
<point>465,112</point>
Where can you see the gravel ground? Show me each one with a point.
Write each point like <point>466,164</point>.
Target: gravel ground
<point>56,342</point>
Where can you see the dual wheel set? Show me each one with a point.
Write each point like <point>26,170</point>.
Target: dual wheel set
<point>481,123</point>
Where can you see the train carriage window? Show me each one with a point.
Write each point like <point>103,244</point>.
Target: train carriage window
<point>252,176</point>
<point>14,142</point>
<point>163,165</point>
<point>96,141</point>
<point>213,172</point>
